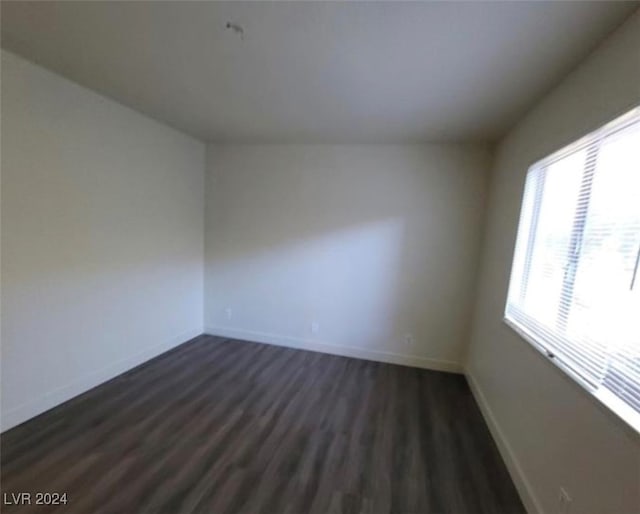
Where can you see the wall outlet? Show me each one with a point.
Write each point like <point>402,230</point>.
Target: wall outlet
<point>315,327</point>
<point>409,339</point>
<point>228,313</point>
<point>564,501</point>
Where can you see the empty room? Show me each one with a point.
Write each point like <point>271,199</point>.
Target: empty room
<point>307,257</point>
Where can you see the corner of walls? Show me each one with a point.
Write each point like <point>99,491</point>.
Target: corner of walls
<point>102,238</point>
<point>524,488</point>
<point>393,257</point>
<point>492,150</point>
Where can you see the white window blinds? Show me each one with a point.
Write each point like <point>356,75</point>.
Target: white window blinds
<point>575,280</point>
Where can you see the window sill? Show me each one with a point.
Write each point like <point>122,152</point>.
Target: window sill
<point>605,400</point>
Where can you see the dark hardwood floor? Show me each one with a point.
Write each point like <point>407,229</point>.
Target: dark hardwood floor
<point>220,426</point>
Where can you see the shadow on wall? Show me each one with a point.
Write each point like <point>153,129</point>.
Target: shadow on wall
<point>351,246</point>
<point>348,278</point>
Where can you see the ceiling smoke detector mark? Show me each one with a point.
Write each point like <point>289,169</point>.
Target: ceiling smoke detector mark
<point>235,28</point>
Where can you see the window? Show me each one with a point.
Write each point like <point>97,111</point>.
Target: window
<point>575,283</point>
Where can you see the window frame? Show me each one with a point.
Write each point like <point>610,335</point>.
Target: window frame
<point>604,399</point>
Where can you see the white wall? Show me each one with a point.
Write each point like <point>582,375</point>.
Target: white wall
<point>552,433</point>
<point>102,239</point>
<point>372,242</point>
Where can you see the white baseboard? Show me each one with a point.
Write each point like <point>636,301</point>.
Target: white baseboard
<point>333,349</point>
<point>28,410</point>
<point>528,497</point>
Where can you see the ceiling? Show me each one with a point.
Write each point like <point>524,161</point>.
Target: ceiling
<point>316,72</point>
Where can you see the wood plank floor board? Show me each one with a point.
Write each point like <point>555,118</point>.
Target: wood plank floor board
<point>232,427</point>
